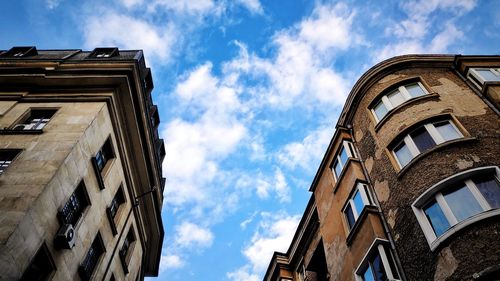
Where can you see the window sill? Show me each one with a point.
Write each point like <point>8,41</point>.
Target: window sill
<point>403,106</point>
<point>20,132</point>
<point>357,225</point>
<point>461,225</point>
<point>339,179</point>
<point>438,147</point>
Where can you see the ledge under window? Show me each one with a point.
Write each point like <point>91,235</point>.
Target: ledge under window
<point>337,183</point>
<point>403,106</point>
<point>434,149</point>
<point>357,225</point>
<point>20,132</point>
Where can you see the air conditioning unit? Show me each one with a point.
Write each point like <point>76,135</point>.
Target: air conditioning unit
<point>65,237</point>
<point>21,127</point>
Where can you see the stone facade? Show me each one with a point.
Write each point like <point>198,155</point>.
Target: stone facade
<point>410,217</point>
<point>56,160</point>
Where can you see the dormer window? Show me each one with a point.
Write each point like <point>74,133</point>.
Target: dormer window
<point>479,76</point>
<point>100,53</point>
<point>19,52</point>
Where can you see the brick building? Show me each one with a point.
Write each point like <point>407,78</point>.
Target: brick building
<point>80,166</point>
<point>409,186</point>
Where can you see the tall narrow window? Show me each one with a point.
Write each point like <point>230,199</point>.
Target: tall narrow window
<point>42,266</point>
<point>356,203</point>
<point>91,259</point>
<point>345,152</point>
<point>127,248</point>
<point>102,157</point>
<point>113,208</point>
<point>459,200</point>
<point>6,158</point>
<point>424,138</point>
<point>395,98</point>
<point>73,209</point>
<point>35,120</point>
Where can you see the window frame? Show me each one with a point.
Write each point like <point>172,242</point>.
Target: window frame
<point>434,134</point>
<point>97,242</point>
<point>43,250</point>
<point>402,89</point>
<point>86,200</point>
<point>27,116</point>
<point>379,246</point>
<point>348,147</point>
<point>435,192</point>
<point>367,199</point>
<point>14,153</point>
<point>126,254</point>
<point>108,158</point>
<point>476,78</point>
<point>120,200</point>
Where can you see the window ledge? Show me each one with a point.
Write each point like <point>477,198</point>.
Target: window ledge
<point>339,179</point>
<point>399,108</point>
<point>438,147</point>
<point>357,225</point>
<point>459,226</point>
<point>20,132</point>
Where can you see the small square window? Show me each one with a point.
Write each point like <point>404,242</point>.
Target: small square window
<point>19,52</point>
<point>101,53</point>
<point>36,119</point>
<point>41,268</point>
<point>92,258</point>
<point>6,158</point>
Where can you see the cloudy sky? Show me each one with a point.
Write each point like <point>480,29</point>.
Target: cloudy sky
<point>249,93</point>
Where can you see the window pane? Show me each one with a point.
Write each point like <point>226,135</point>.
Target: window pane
<point>487,75</point>
<point>403,154</point>
<point>368,275</point>
<point>350,216</point>
<point>436,217</point>
<point>343,156</point>
<point>358,202</point>
<point>415,90</point>
<point>422,139</point>
<point>380,110</point>
<point>462,203</point>
<point>337,167</point>
<point>490,189</point>
<point>378,269</point>
<point>447,131</point>
<point>396,98</point>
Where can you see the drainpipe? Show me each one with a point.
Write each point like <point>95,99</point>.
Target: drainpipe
<point>383,219</point>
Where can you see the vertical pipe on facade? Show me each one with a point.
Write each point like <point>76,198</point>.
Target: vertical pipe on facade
<point>382,217</point>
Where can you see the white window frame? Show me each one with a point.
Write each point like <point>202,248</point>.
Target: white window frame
<point>435,192</point>
<point>348,146</point>
<point>365,197</point>
<point>433,132</point>
<point>377,246</point>
<point>406,96</point>
<point>475,77</point>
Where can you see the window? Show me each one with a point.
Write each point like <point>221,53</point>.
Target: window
<point>458,200</point>
<point>127,248</point>
<point>356,203</point>
<point>42,266</point>
<point>424,138</point>
<point>378,264</point>
<point>340,160</point>
<point>6,158</point>
<point>101,159</point>
<point>104,53</point>
<point>19,52</point>
<point>72,211</point>
<point>113,208</point>
<point>36,119</point>
<point>393,99</point>
<point>91,260</point>
<point>481,75</point>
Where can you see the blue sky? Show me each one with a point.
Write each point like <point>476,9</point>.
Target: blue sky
<point>249,93</point>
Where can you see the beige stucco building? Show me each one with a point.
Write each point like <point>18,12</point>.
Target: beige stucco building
<point>409,186</point>
<point>80,166</point>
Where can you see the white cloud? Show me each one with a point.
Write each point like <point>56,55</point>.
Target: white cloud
<point>52,4</point>
<point>307,153</point>
<point>443,39</point>
<point>275,233</point>
<point>190,235</point>
<point>168,262</point>
<point>253,6</point>
<point>196,8</point>
<point>131,3</point>
<point>112,29</point>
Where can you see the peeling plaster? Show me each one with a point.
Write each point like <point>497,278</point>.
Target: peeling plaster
<point>369,164</point>
<point>391,219</point>
<point>382,190</point>
<point>446,265</point>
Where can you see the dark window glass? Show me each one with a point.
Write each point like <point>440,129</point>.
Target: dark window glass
<point>72,211</point>
<point>6,157</point>
<point>422,139</point>
<point>350,216</point>
<point>91,260</point>
<point>489,187</point>
<point>36,120</point>
<point>403,154</point>
<point>436,217</point>
<point>462,203</point>
<point>127,242</point>
<point>104,155</point>
<point>378,268</point>
<point>41,267</point>
<point>116,202</point>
